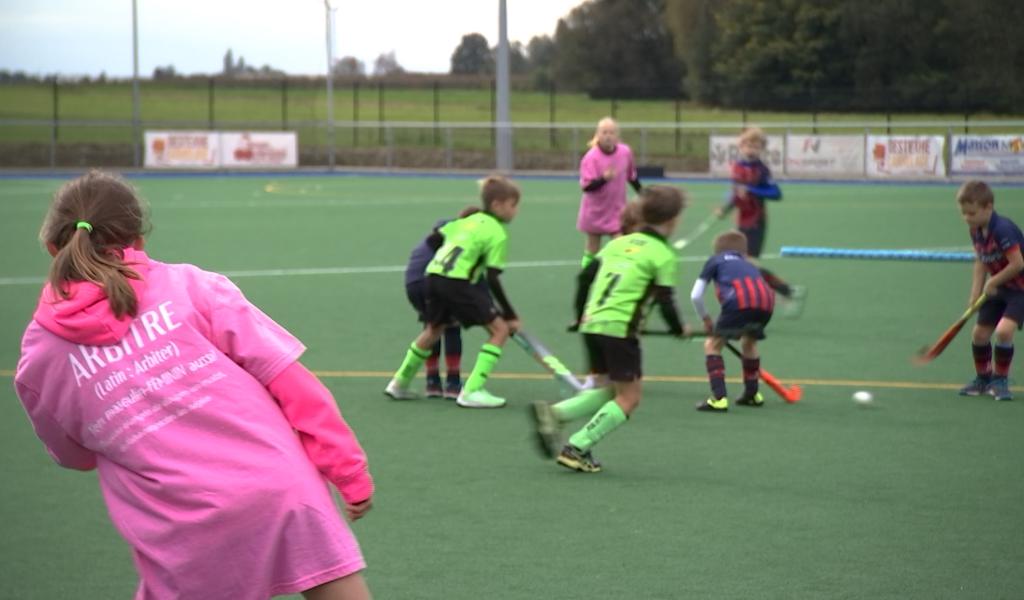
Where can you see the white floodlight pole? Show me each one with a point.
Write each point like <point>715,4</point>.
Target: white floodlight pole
<point>503,139</point>
<point>135,84</point>
<point>330,84</point>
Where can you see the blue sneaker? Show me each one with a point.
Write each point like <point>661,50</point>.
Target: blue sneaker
<point>452,388</point>
<point>999,387</point>
<point>978,386</point>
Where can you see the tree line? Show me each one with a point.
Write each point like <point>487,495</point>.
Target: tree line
<point>821,55</point>
<point>944,55</point>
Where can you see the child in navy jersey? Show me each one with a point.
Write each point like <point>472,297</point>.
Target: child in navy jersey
<point>997,247</point>
<point>747,303</point>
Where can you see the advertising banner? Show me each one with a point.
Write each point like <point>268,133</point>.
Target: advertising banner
<point>723,151</point>
<point>824,154</point>
<point>257,149</point>
<point>897,155</point>
<point>987,154</point>
<point>182,149</point>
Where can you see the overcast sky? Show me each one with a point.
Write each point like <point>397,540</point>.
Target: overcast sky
<point>77,37</point>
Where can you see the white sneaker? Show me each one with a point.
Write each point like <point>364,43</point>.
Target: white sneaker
<point>397,392</point>
<point>479,399</point>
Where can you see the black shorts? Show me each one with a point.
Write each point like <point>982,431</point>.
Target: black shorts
<point>755,240</point>
<point>1007,303</point>
<point>734,324</point>
<point>457,300</point>
<point>416,292</point>
<point>619,358</point>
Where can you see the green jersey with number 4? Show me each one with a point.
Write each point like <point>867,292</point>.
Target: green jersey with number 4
<point>630,268</point>
<point>471,245</point>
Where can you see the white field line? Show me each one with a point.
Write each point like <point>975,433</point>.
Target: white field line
<point>319,271</point>
<point>316,271</point>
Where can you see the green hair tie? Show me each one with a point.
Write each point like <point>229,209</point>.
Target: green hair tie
<point>84,225</point>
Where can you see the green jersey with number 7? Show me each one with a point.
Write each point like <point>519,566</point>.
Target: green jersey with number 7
<point>632,267</point>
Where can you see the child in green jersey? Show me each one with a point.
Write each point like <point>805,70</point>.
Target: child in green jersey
<point>467,249</point>
<point>633,269</point>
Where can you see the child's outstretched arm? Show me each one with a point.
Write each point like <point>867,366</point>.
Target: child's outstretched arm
<point>65,451</point>
<point>766,188</point>
<point>329,442</point>
<point>663,295</point>
<point>697,297</point>
<point>977,281</point>
<point>498,292</point>
<point>584,281</point>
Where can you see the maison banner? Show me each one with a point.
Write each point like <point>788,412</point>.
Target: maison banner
<point>987,154</point>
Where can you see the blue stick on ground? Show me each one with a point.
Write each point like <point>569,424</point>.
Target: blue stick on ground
<point>869,254</point>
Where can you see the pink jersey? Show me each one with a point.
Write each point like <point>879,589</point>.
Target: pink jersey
<point>201,470</point>
<point>601,209</point>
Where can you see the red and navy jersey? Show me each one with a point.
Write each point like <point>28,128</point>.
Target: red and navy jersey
<point>738,283</point>
<point>993,242</point>
<point>757,177</point>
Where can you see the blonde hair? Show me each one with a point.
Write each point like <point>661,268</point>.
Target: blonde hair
<point>730,241</point>
<point>753,134</point>
<point>497,187</point>
<point>976,193</point>
<point>115,218</point>
<point>597,132</point>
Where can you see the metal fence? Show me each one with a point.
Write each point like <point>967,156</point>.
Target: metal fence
<point>412,122</point>
<point>679,147</point>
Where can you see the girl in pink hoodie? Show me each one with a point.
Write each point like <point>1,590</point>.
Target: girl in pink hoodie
<point>211,441</point>
<point>604,172</point>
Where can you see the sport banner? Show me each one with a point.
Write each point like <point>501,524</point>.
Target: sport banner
<point>244,149</point>
<point>897,155</point>
<point>221,149</point>
<point>824,154</point>
<point>724,150</point>
<point>987,154</point>
<point>178,149</point>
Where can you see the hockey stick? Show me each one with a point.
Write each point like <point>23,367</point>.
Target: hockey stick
<point>696,233</point>
<point>567,381</point>
<point>791,394</point>
<point>928,353</point>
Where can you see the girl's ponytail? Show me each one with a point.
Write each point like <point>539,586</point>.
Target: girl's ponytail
<point>91,221</point>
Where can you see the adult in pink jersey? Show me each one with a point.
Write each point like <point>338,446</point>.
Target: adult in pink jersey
<point>604,171</point>
<point>212,443</point>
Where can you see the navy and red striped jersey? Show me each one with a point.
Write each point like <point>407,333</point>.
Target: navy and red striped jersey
<point>738,283</point>
<point>757,177</point>
<point>993,242</point>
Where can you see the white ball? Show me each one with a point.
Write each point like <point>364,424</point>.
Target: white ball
<point>862,397</point>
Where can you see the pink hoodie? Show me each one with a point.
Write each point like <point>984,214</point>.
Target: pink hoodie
<point>211,441</point>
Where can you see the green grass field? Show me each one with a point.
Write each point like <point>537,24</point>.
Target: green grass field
<point>916,496</point>
<point>267,106</point>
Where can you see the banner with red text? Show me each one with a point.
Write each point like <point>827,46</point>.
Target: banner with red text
<point>221,149</point>
<point>182,149</point>
<point>258,149</point>
<point>898,155</point>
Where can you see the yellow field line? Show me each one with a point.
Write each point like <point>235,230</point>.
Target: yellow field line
<point>854,383</point>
